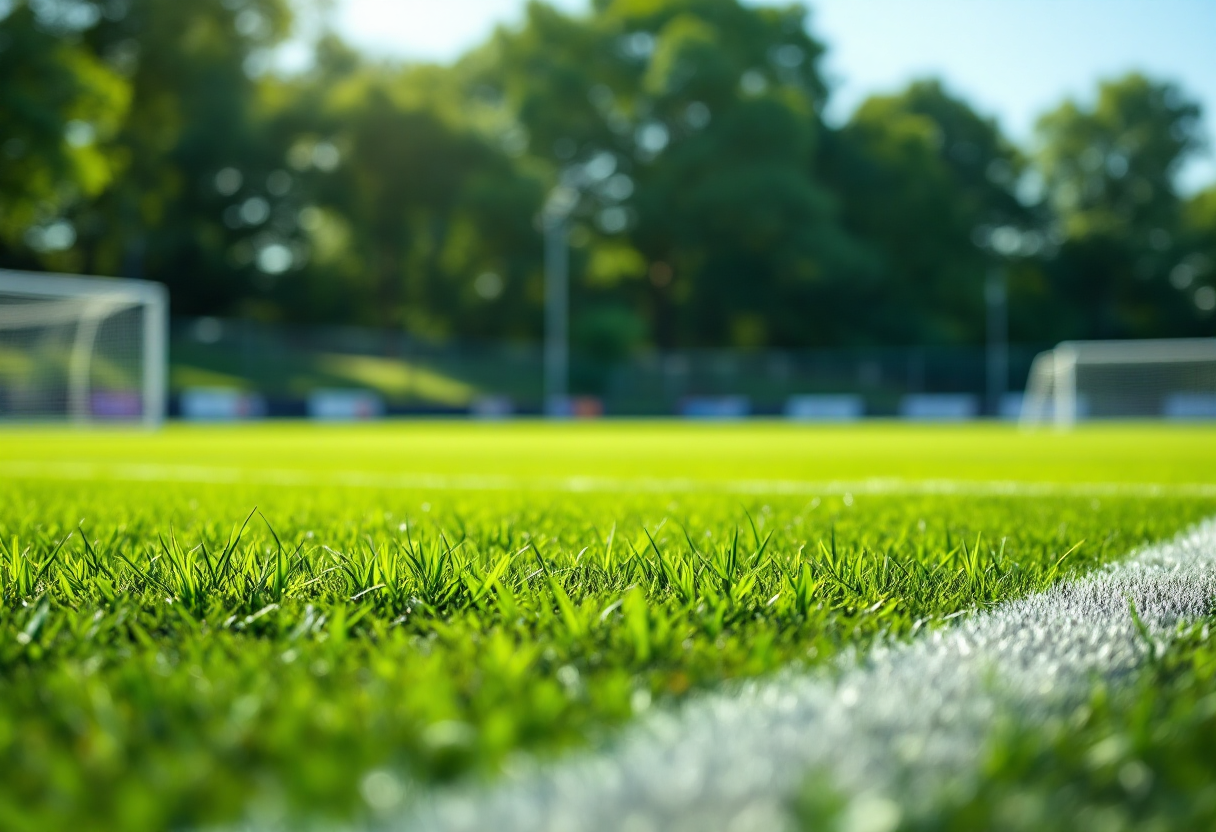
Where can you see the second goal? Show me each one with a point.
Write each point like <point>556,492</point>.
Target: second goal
<point>1171,379</point>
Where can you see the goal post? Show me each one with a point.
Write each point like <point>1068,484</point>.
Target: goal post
<point>1168,378</point>
<point>82,349</point>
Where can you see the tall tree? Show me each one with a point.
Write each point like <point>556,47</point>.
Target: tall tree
<point>437,220</point>
<point>194,204</point>
<point>60,108</point>
<point>689,128</point>
<point>927,181</point>
<point>1194,275</point>
<point>1110,170</point>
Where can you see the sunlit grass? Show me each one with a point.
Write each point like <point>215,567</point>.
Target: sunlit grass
<point>169,655</point>
<point>1115,452</point>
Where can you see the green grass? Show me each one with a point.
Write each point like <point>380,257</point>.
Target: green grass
<point>170,657</point>
<point>764,450</point>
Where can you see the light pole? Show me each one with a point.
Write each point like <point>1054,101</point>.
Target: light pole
<point>996,299</point>
<point>556,221</point>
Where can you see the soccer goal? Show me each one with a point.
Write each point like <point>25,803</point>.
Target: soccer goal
<point>82,349</point>
<point>1171,379</point>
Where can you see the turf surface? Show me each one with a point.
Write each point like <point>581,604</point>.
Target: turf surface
<point>161,668</point>
<point>663,450</point>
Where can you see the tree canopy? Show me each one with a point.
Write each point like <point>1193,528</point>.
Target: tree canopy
<point>713,205</point>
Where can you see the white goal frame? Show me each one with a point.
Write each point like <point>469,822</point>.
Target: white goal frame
<point>87,302</point>
<point>1051,388</point>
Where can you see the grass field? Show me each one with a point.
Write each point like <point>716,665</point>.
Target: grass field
<point>286,621</point>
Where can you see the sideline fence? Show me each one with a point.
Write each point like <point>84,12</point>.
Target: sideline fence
<point>286,364</point>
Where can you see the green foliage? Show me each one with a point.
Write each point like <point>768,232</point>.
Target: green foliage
<point>1195,275</point>
<point>153,138</point>
<point>426,205</point>
<point>708,114</point>
<point>60,106</point>
<point>922,176</point>
<point>1110,174</point>
<point>1110,169</point>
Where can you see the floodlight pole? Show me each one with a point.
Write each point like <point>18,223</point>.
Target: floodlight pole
<point>556,221</point>
<point>996,300</point>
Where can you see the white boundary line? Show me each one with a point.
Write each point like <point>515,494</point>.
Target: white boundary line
<point>891,731</point>
<point>218,474</point>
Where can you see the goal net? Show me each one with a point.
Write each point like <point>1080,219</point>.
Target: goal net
<point>1171,379</point>
<point>82,349</point>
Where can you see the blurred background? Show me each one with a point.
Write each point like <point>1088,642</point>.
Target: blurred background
<point>754,202</point>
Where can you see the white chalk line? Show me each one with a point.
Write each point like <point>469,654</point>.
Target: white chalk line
<point>894,486</point>
<point>890,731</point>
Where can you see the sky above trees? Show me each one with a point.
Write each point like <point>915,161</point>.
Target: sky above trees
<point>1013,59</point>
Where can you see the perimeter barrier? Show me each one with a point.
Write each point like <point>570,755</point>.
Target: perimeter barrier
<point>288,370</point>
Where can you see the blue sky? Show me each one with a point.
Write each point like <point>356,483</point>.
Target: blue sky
<point>1012,59</point>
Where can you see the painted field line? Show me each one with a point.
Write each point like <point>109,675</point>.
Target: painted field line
<point>890,730</point>
<point>218,474</point>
